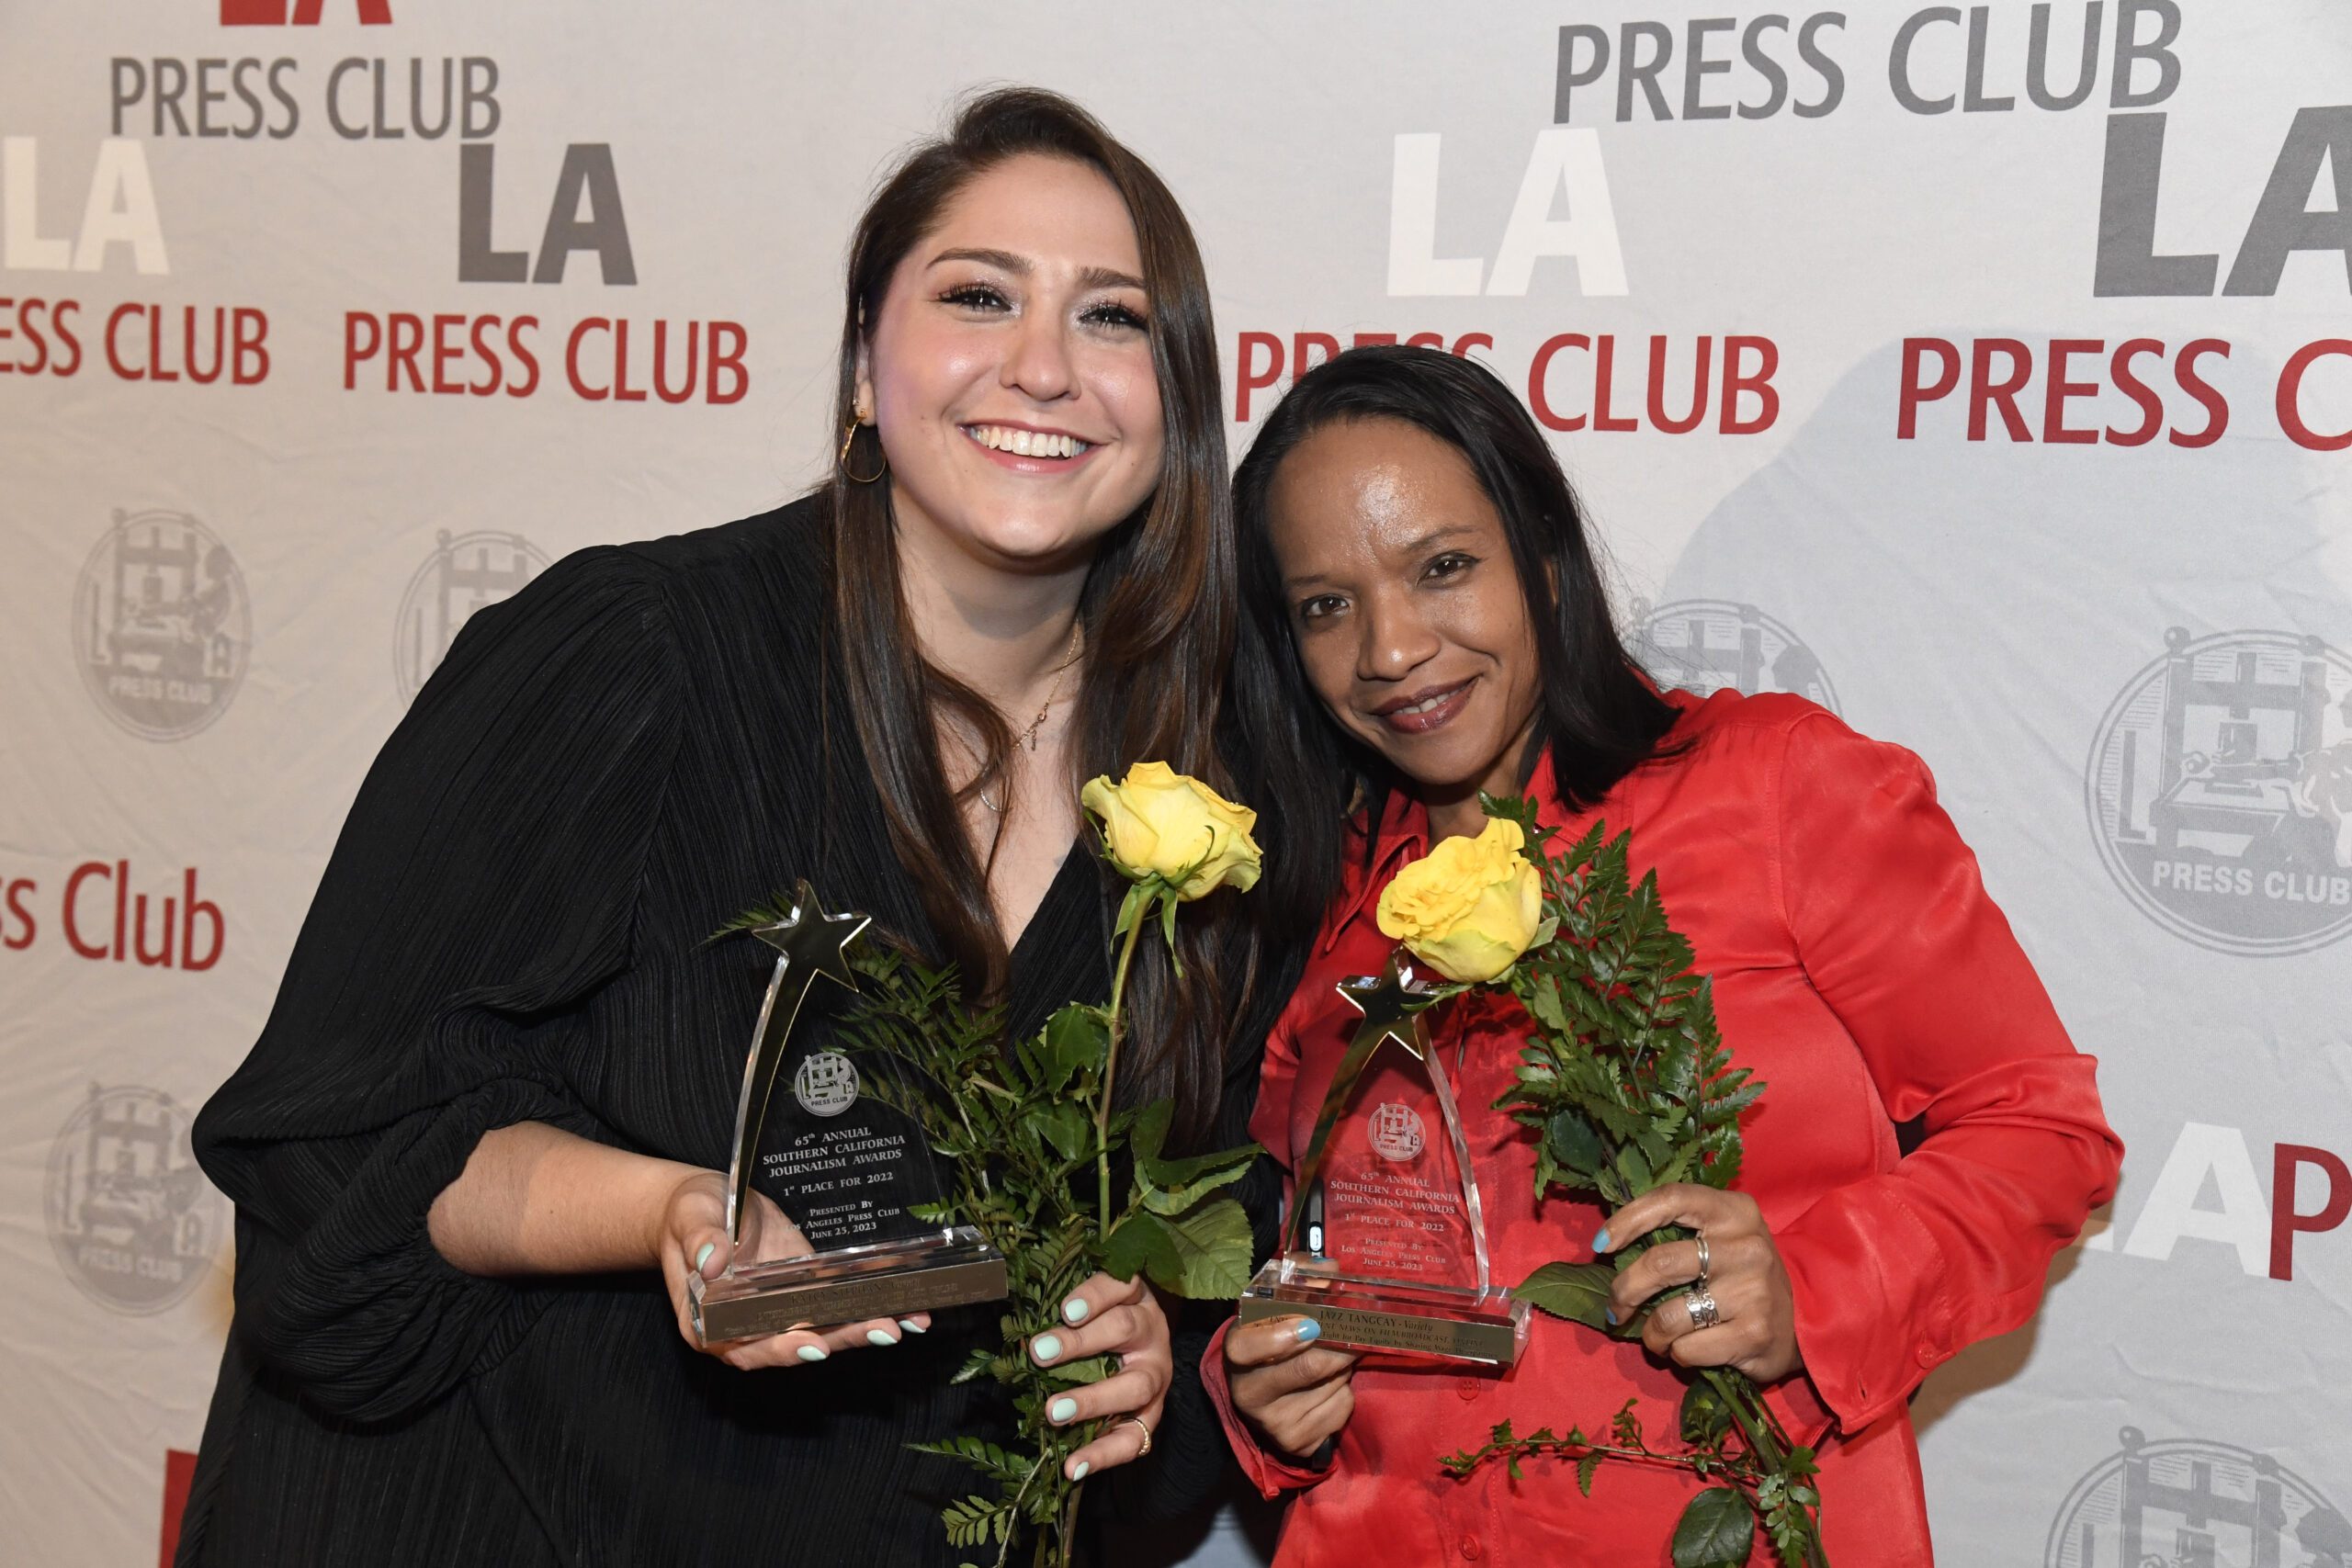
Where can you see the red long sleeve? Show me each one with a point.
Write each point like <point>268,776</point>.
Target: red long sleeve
<point>1865,977</point>
<point>1896,1273</point>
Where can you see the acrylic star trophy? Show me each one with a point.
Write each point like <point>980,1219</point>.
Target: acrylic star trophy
<point>1386,1244</point>
<point>844,1166</point>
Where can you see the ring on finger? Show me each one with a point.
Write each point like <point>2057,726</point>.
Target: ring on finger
<point>1701,1237</point>
<point>1700,1302</point>
<point>1146,1430</point>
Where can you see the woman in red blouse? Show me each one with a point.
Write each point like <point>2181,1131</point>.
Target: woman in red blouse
<point>1427,622</point>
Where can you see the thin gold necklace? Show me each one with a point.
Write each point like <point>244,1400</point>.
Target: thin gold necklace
<point>1028,737</point>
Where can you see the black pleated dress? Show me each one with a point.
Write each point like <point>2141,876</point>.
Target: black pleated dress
<point>643,742</point>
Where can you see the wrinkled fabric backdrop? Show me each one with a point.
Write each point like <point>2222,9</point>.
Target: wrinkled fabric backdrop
<point>1980,372</point>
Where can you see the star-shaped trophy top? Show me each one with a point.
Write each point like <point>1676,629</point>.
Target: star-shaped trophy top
<point>1391,1003</point>
<point>814,942</point>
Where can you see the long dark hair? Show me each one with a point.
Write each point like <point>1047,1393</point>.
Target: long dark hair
<point>1156,609</point>
<point>1598,718</point>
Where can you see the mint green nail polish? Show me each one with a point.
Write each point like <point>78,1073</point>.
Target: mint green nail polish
<point>1074,1310</point>
<point>1062,1410</point>
<point>813,1352</point>
<point>1047,1348</point>
<point>1078,1472</point>
<point>704,1256</point>
<point>878,1339</point>
<point>911,1326</point>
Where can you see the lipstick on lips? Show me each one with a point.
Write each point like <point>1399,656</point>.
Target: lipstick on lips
<point>1417,713</point>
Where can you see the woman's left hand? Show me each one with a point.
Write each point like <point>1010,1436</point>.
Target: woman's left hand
<point>1118,1318</point>
<point>1756,1326</point>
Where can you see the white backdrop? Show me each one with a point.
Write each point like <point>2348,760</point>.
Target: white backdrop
<point>2037,465</point>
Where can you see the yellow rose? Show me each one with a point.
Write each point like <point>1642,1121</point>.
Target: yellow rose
<point>1470,907</point>
<point>1161,823</point>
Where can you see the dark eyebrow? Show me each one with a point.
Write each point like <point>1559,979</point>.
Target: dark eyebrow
<point>1020,267</point>
<point>1436,537</point>
<point>1003,259</point>
<point>1429,541</point>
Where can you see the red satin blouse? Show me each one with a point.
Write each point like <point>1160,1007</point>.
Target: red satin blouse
<point>1864,975</point>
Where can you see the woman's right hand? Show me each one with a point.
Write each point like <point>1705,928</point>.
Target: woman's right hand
<point>1294,1392</point>
<point>693,1239</point>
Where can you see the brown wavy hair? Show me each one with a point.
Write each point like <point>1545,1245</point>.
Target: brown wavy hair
<point>1158,607</point>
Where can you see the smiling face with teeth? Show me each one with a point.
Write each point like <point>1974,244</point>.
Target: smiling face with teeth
<point>1406,608</point>
<point>1010,372</point>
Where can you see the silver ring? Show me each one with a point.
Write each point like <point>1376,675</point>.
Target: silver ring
<point>1701,1303</point>
<point>1700,1236</point>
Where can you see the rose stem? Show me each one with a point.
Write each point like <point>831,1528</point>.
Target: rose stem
<point>1111,1074</point>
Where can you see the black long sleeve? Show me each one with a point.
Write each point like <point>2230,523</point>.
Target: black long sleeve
<point>431,995</point>
<point>643,742</point>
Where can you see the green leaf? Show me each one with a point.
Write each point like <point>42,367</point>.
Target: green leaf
<point>1718,1530</point>
<point>1574,1144</point>
<point>1577,1291</point>
<point>1706,1418</point>
<point>1177,1172</point>
<point>1132,907</point>
<point>1212,1252</point>
<point>1076,1040</point>
<point>1585,1467</point>
<point>1093,1368</point>
<point>1144,1243</point>
<point>1152,1129</point>
<point>1066,1127</point>
<point>1176,1200</point>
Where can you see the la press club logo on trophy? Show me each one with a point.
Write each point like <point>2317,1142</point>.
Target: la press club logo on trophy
<point>2220,790</point>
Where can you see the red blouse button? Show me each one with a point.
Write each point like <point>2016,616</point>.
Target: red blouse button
<point>1469,1388</point>
<point>1470,1549</point>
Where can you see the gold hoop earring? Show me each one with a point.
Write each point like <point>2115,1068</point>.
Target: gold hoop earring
<point>841,462</point>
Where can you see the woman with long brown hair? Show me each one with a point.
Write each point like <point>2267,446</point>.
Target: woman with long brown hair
<point>474,1150</point>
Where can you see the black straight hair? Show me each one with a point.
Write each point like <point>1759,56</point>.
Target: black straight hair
<point>1599,717</point>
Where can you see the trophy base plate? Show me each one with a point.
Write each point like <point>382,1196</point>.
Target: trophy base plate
<point>1358,1314</point>
<point>950,1268</point>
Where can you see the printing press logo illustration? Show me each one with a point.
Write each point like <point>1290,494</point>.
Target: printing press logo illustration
<point>132,1218</point>
<point>465,572</point>
<point>1703,645</point>
<point>2187,1503</point>
<point>826,1084</point>
<point>1396,1133</point>
<point>162,630</point>
<point>2220,790</point>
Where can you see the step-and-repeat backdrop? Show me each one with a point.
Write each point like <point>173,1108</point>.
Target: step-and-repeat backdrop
<point>1983,373</point>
